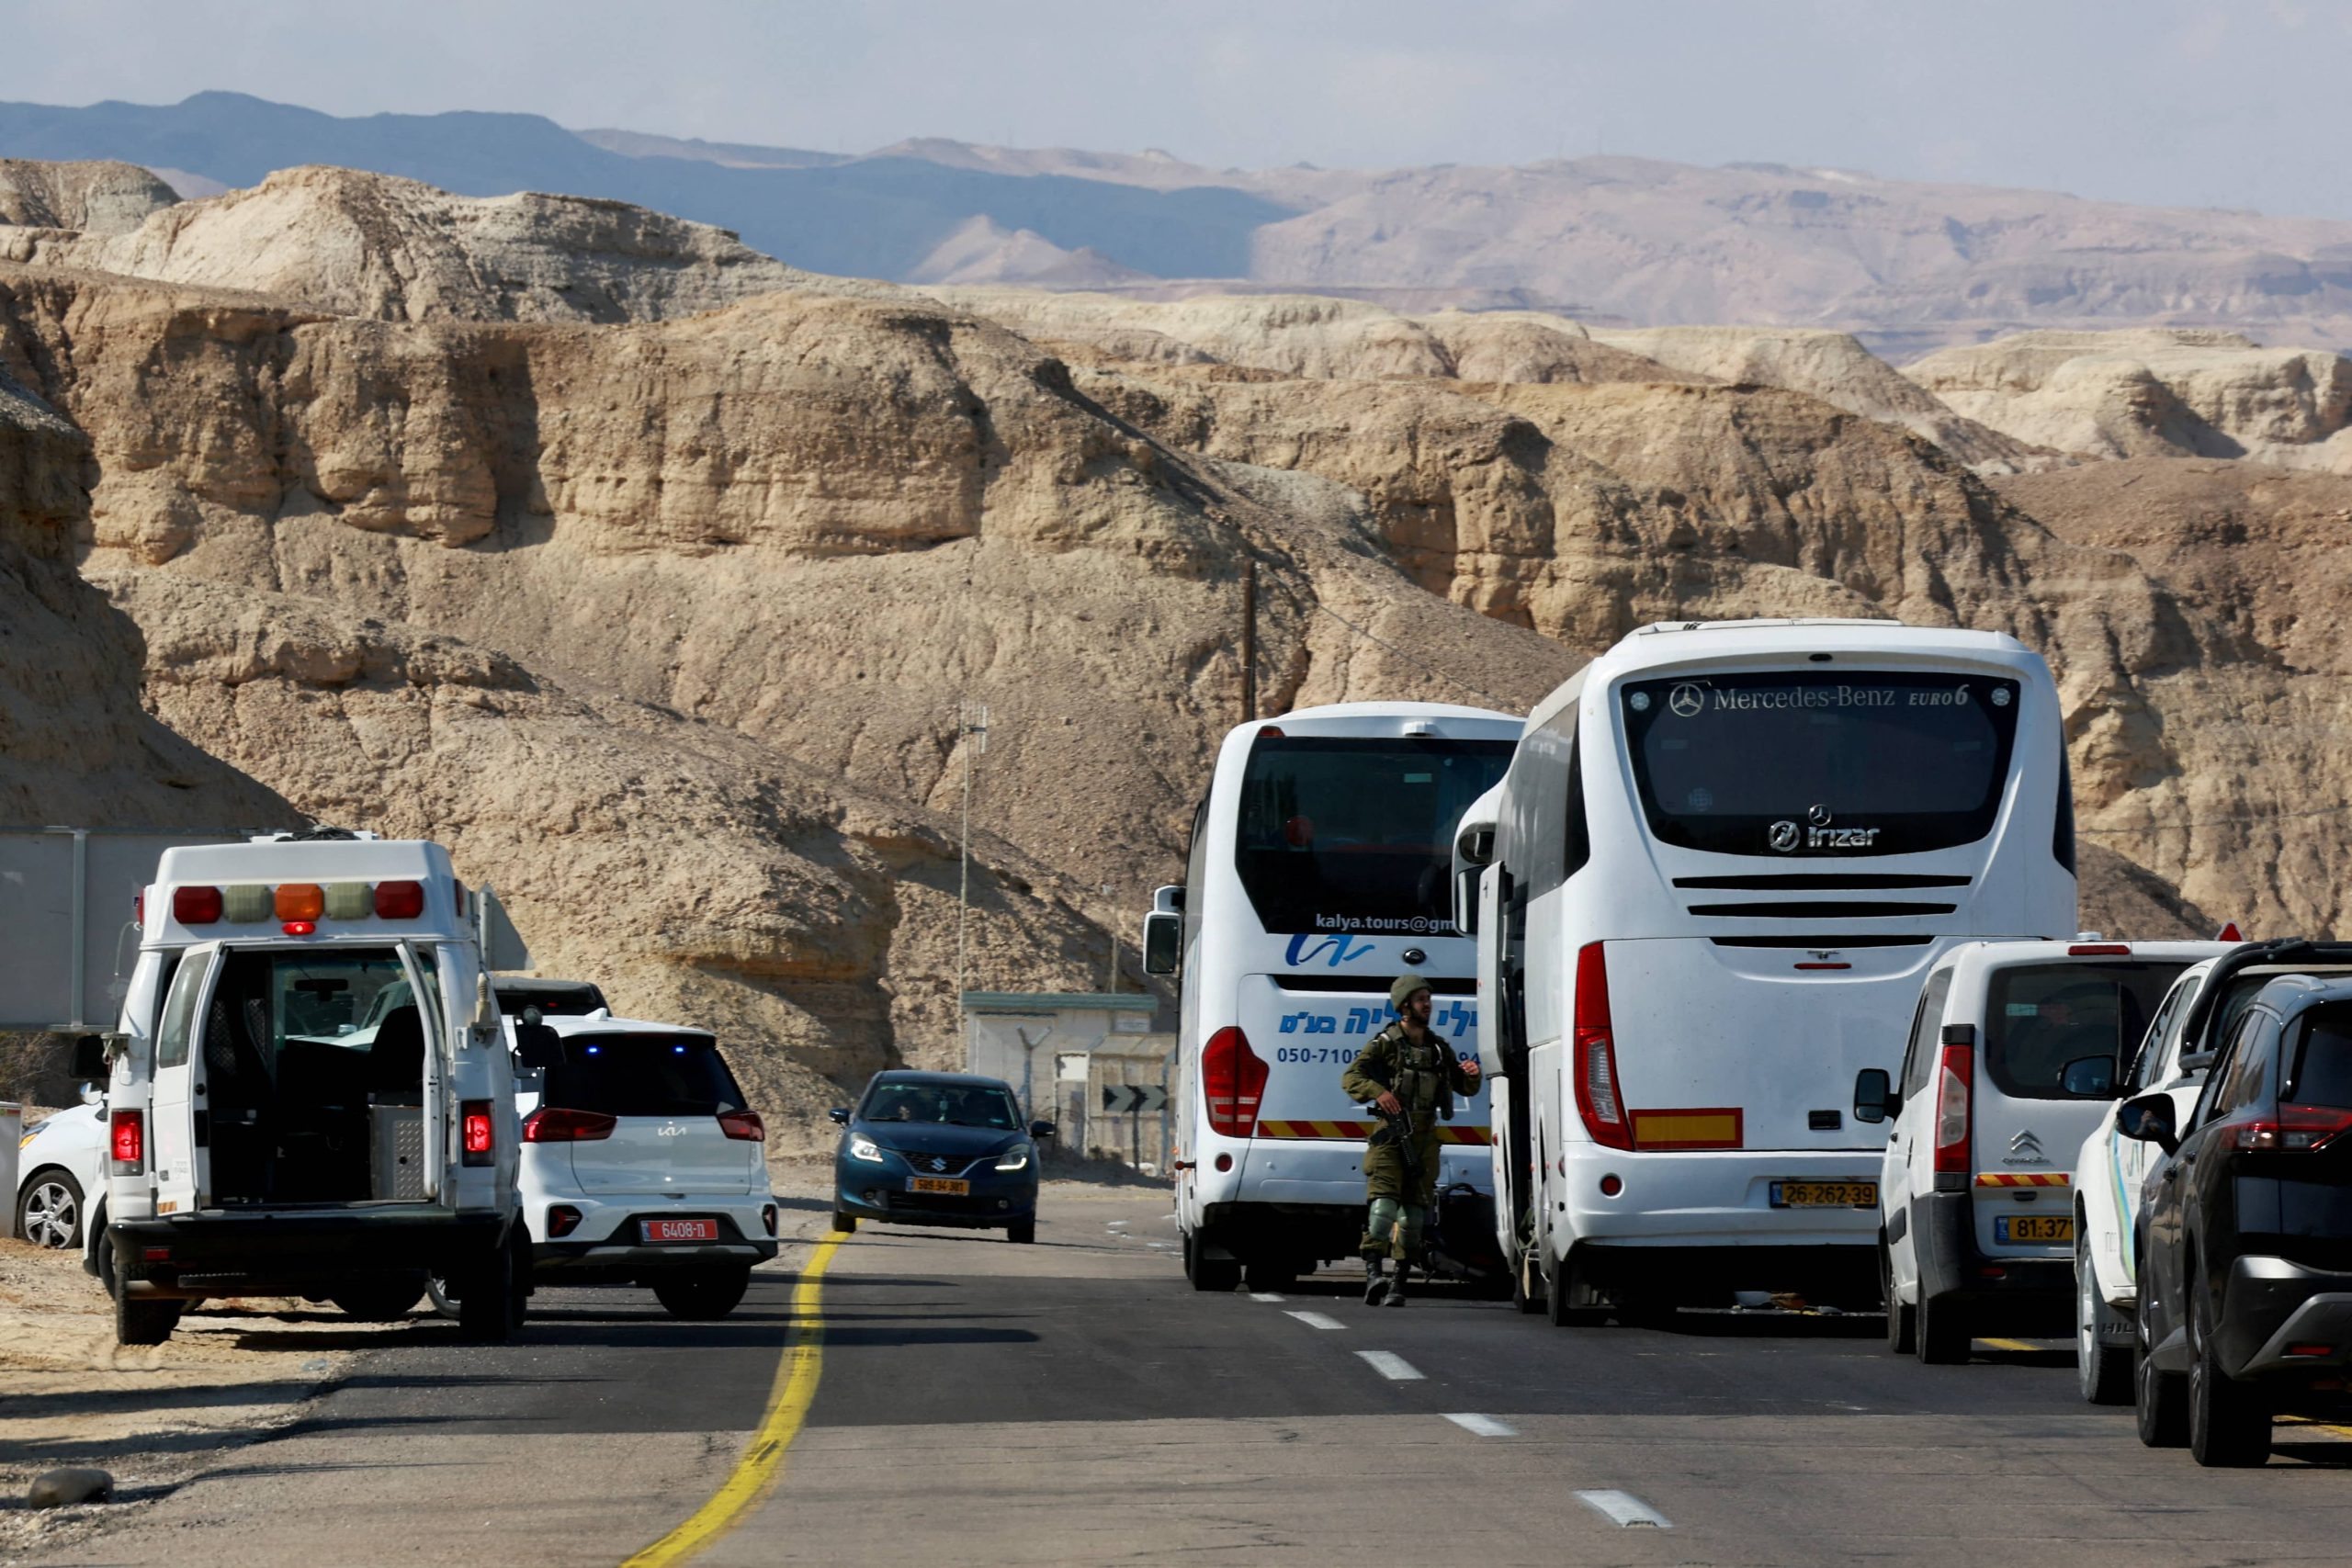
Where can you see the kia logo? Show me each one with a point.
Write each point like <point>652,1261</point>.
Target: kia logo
<point>1783,835</point>
<point>1686,699</point>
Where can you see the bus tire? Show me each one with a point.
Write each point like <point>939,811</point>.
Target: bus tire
<point>1209,1274</point>
<point>1558,1292</point>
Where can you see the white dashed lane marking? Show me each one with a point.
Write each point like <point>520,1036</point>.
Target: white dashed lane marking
<point>1318,1320</point>
<point>1392,1366</point>
<point>1266,1296</point>
<point>1483,1425</point>
<point>1624,1509</point>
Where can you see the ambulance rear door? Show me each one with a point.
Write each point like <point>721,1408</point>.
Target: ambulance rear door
<point>177,1122</point>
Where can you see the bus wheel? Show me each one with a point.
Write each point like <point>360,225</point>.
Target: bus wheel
<point>1216,1274</point>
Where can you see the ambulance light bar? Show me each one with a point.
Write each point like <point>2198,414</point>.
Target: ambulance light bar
<point>293,904</point>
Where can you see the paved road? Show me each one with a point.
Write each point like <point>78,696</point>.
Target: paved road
<point>1074,1403</point>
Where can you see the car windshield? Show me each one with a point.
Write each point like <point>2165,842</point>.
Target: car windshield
<point>642,1075</point>
<point>961,1105</point>
<point>2043,1017</point>
<point>1855,764</point>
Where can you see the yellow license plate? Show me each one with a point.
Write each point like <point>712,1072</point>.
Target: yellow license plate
<point>1825,1194</point>
<point>948,1184</point>
<point>2033,1228</point>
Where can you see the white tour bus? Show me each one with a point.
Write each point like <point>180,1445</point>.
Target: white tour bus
<point>1724,857</point>
<point>1319,872</point>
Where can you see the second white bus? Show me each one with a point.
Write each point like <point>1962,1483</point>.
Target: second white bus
<point>1319,871</point>
<point>1723,857</point>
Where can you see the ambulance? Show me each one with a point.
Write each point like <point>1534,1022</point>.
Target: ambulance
<point>310,1092</point>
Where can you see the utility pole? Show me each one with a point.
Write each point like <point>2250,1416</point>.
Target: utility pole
<point>1111,970</point>
<point>972,738</point>
<point>1249,638</point>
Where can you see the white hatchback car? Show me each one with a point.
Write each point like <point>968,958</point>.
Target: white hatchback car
<point>641,1163</point>
<point>2014,1054</point>
<point>2194,1017</point>
<point>61,1162</point>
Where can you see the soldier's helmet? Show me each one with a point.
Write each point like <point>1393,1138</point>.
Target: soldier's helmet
<point>1402,991</point>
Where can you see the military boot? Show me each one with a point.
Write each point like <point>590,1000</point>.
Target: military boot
<point>1375,1287</point>
<point>1395,1295</point>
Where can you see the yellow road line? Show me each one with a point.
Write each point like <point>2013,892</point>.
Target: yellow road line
<point>2011,1345</point>
<point>2329,1427</point>
<point>761,1463</point>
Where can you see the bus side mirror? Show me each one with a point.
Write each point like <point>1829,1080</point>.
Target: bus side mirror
<point>1875,1099</point>
<point>537,1046</point>
<point>2149,1120</point>
<point>1465,900</point>
<point>89,1064</point>
<point>1162,941</point>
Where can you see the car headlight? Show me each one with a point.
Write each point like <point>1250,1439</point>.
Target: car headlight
<point>864,1149</point>
<point>1013,1159</point>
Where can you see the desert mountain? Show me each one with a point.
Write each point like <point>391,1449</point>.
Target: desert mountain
<point>1906,266</point>
<point>665,622</point>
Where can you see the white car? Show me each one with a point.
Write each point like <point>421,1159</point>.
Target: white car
<point>62,1166</point>
<point>2207,999</point>
<point>2014,1054</point>
<point>642,1162</point>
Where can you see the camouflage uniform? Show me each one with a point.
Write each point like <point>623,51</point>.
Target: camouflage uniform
<point>1423,1077</point>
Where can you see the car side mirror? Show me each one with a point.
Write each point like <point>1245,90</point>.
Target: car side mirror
<point>1041,1129</point>
<point>840,1114</point>
<point>2149,1120</point>
<point>537,1046</point>
<point>2089,1077</point>
<point>1875,1099</point>
<point>89,1063</point>
<point>1163,935</point>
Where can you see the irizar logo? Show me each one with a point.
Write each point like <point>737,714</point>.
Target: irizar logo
<point>2025,1149</point>
<point>1817,834</point>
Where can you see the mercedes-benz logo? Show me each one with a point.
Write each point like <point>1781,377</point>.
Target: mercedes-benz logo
<point>1819,816</point>
<point>1783,835</point>
<point>1686,699</point>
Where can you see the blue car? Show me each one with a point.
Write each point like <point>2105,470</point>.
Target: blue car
<point>937,1149</point>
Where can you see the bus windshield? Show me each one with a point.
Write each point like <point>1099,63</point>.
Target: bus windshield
<point>1342,834</point>
<point>1851,763</point>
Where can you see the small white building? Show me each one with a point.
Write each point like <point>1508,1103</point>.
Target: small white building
<point>1061,1050</point>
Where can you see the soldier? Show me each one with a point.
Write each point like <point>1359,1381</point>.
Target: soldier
<point>1406,1073</point>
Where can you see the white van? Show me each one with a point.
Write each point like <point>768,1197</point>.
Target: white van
<point>2015,1050</point>
<point>2194,1017</point>
<point>273,1130</point>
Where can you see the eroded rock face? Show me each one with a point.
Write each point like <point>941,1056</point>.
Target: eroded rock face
<point>99,197</point>
<point>2154,393</point>
<point>363,244</point>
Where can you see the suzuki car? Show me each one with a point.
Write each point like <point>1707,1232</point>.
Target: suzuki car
<point>642,1162</point>
<point>937,1149</point>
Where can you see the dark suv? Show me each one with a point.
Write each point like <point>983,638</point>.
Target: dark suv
<point>2244,1232</point>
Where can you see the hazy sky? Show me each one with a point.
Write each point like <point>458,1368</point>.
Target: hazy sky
<point>2233,103</point>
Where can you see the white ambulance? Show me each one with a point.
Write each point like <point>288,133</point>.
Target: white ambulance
<point>310,1094</point>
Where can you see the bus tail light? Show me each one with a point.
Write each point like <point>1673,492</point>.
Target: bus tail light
<point>1596,1055</point>
<point>1952,1109</point>
<point>480,1136</point>
<point>126,1141</point>
<point>1233,1077</point>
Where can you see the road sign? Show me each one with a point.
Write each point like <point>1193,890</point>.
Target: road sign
<point>1124,1098</point>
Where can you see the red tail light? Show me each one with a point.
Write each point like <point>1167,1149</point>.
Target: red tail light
<point>196,906</point>
<point>399,900</point>
<point>554,1124</point>
<point>126,1141</point>
<point>743,1125</point>
<point>1952,1080</point>
<point>563,1220</point>
<point>1233,1077</point>
<point>2100,950</point>
<point>2295,1128</point>
<point>1598,1102</point>
<point>479,1133</point>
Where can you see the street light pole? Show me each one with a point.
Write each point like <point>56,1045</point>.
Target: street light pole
<point>1111,970</point>
<point>972,733</point>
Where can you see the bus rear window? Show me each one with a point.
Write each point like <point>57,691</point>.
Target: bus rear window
<point>1799,765</point>
<point>1357,835</point>
<point>2041,1018</point>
